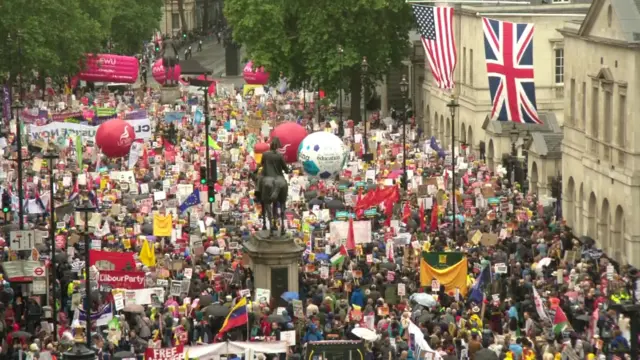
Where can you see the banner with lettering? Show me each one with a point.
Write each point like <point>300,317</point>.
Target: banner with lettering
<point>64,130</point>
<point>173,353</point>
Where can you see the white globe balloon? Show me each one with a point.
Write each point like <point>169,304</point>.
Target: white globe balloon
<point>322,155</point>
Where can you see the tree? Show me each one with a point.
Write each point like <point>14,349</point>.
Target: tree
<point>53,36</point>
<point>50,36</point>
<point>302,40</point>
<point>134,22</point>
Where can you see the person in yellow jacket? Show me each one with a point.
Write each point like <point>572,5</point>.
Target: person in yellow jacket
<point>620,296</point>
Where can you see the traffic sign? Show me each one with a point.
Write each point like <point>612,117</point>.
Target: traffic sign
<point>22,240</point>
<point>39,271</point>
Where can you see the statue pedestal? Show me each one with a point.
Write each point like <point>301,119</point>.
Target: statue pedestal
<point>169,95</point>
<point>274,262</point>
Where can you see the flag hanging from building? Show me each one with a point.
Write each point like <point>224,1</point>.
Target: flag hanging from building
<point>508,49</point>
<point>435,24</point>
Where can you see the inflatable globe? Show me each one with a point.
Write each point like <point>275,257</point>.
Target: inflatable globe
<point>322,155</point>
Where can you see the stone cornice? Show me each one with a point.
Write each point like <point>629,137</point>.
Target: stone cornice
<point>598,40</point>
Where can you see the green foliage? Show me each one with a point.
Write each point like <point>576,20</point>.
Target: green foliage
<point>133,23</point>
<point>302,38</point>
<point>51,36</point>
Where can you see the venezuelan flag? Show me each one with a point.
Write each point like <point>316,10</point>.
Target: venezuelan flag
<point>237,317</point>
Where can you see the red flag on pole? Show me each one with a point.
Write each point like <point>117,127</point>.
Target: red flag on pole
<point>434,217</point>
<point>423,221</point>
<point>406,213</point>
<point>351,238</point>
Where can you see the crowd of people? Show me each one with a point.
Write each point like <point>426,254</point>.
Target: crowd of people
<point>495,274</point>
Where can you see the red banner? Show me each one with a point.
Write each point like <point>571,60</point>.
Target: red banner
<point>106,260</point>
<point>174,353</point>
<point>131,280</point>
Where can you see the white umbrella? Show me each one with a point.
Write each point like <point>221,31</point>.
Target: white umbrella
<point>423,299</point>
<point>365,333</point>
<point>213,250</point>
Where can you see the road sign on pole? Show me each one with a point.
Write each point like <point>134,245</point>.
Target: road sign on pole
<point>39,271</point>
<point>22,240</point>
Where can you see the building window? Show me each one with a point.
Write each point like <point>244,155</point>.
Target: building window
<point>572,109</point>
<point>464,65</point>
<point>608,118</point>
<point>595,109</point>
<point>607,121</point>
<point>622,120</point>
<point>622,127</point>
<point>583,119</point>
<point>471,67</point>
<point>559,68</point>
<point>561,1</point>
<point>175,21</point>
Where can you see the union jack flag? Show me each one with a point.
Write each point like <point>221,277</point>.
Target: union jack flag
<point>508,50</point>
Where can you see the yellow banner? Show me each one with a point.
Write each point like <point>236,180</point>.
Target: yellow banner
<point>452,277</point>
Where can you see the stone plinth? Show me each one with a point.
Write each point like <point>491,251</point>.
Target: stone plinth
<point>274,262</point>
<point>169,95</point>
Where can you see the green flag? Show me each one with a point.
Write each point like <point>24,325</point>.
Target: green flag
<point>79,151</point>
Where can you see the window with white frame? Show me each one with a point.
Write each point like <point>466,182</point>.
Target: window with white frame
<point>559,65</point>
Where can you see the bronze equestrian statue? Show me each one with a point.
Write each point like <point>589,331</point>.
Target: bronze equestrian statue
<point>272,188</point>
<point>169,60</point>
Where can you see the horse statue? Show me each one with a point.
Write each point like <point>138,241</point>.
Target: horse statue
<point>169,60</point>
<point>272,188</point>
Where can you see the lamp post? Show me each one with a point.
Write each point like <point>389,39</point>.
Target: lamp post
<point>364,66</point>
<point>525,152</point>
<point>51,156</point>
<point>404,88</point>
<point>513,135</point>
<point>341,54</point>
<point>86,209</point>
<point>453,105</point>
<point>206,141</point>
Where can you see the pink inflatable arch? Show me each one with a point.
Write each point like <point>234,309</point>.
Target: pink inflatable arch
<point>159,75</point>
<point>110,68</point>
<point>255,76</point>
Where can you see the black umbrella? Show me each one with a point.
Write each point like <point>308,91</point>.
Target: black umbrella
<point>21,334</point>
<point>205,300</point>
<point>308,195</point>
<point>486,354</point>
<point>121,355</point>
<point>216,310</point>
<point>276,318</point>
<point>587,240</point>
<point>335,204</point>
<point>315,201</point>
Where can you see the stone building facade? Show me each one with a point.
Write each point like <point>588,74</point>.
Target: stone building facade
<point>601,145</point>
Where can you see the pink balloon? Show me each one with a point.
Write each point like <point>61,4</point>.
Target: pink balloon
<point>290,135</point>
<point>159,74</point>
<point>255,76</point>
<point>110,68</point>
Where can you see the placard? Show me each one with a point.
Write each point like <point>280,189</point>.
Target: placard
<point>501,268</point>
<point>176,288</point>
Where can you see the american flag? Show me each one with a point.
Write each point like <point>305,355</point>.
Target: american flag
<point>435,25</point>
<point>508,50</point>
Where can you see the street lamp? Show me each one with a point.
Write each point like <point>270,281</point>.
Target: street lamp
<point>51,156</point>
<point>453,105</point>
<point>87,208</point>
<point>364,66</point>
<point>514,134</point>
<point>341,54</point>
<point>404,89</point>
<point>17,106</point>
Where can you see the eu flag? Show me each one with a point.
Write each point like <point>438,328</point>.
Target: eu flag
<point>191,200</point>
<point>482,281</point>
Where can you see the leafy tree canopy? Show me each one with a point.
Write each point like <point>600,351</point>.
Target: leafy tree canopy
<point>52,36</point>
<point>302,38</point>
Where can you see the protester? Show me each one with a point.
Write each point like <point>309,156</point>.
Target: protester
<point>168,270</point>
